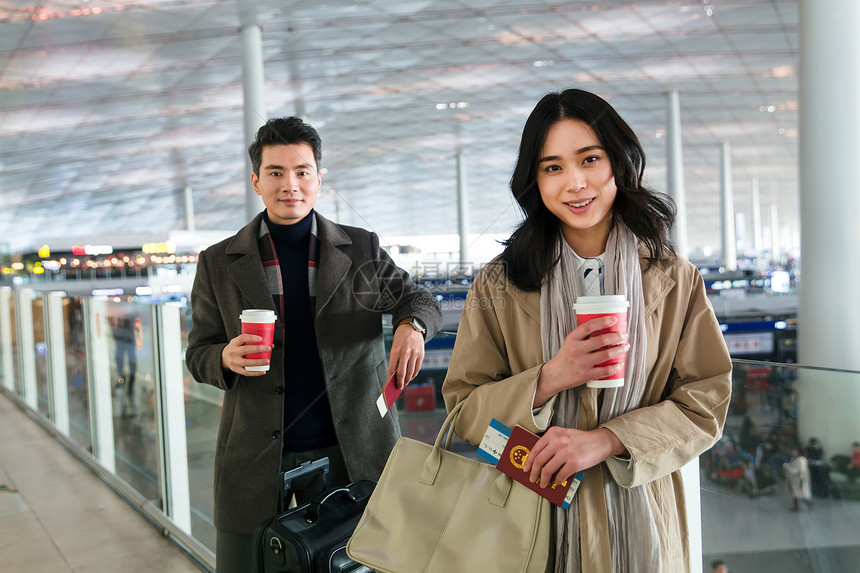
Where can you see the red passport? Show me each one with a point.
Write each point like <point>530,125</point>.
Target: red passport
<point>390,393</point>
<point>514,457</point>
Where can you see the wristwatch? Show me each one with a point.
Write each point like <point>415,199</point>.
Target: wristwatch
<point>415,323</point>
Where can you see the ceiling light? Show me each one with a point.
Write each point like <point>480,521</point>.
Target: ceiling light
<point>543,63</point>
<point>453,105</point>
<point>782,71</point>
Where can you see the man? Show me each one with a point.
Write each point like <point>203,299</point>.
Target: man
<point>329,286</point>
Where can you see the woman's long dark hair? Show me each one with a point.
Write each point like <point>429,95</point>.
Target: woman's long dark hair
<point>529,254</point>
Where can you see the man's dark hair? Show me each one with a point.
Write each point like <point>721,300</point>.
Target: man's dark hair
<point>717,563</point>
<point>284,131</point>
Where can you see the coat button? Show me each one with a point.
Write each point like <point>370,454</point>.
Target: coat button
<point>279,390</point>
<point>276,434</point>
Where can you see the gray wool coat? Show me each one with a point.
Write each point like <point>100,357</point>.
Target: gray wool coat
<point>356,282</point>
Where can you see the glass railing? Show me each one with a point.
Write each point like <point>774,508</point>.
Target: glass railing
<point>750,519</point>
<point>105,376</point>
<point>110,378</point>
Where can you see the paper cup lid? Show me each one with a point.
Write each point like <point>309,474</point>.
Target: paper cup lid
<point>257,315</point>
<point>604,299</point>
<point>601,304</point>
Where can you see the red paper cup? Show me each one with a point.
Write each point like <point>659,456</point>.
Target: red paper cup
<point>591,307</point>
<point>261,323</point>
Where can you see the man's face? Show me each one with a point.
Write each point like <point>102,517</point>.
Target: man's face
<point>288,182</point>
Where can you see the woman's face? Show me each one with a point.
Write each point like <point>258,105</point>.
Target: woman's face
<point>577,185</point>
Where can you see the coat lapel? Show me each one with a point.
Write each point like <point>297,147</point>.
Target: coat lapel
<point>656,285</point>
<point>529,301</point>
<point>246,270</point>
<point>334,263</point>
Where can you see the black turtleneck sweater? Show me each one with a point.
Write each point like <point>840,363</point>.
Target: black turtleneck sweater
<point>307,416</point>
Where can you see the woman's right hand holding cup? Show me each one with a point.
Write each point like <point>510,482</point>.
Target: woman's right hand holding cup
<point>233,355</point>
<point>577,359</point>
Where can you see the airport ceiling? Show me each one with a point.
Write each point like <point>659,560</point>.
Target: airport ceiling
<point>111,108</point>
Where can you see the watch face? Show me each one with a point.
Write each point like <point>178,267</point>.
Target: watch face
<point>416,324</point>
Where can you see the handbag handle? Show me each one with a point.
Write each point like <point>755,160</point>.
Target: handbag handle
<point>502,485</point>
<point>447,428</point>
<point>434,458</point>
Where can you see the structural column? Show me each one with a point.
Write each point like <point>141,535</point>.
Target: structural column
<point>55,339</point>
<point>252,84</point>
<point>755,213</point>
<point>462,208</point>
<point>27,348</point>
<point>829,152</point>
<point>730,255</point>
<point>189,208</point>
<point>6,372</point>
<point>775,243</point>
<point>675,171</point>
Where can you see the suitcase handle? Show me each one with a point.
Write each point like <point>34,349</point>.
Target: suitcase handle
<point>305,469</point>
<point>302,470</point>
<point>312,515</point>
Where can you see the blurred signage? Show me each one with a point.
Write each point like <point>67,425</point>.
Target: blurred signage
<point>749,343</point>
<point>44,252</point>
<point>437,359</point>
<point>108,292</point>
<point>167,247</point>
<point>92,250</point>
<point>780,281</point>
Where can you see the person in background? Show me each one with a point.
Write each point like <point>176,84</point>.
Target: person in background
<point>719,566</point>
<point>813,450</point>
<point>797,476</point>
<point>521,357</point>
<point>819,472</point>
<point>854,464</point>
<point>329,286</point>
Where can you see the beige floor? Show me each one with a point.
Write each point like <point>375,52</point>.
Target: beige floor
<point>57,517</point>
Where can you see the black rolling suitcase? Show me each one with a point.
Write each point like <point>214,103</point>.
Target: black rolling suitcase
<point>312,538</point>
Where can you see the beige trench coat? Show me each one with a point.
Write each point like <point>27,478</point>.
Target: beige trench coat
<point>495,366</point>
<point>798,481</point>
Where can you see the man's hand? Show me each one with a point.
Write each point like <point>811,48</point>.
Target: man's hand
<point>407,354</point>
<point>233,355</point>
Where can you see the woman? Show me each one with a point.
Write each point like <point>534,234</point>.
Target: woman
<point>797,472</point>
<point>521,358</point>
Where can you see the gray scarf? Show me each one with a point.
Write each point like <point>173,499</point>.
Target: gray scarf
<point>633,538</point>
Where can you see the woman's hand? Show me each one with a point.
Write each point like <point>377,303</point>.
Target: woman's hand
<point>407,354</point>
<point>577,359</point>
<point>233,355</point>
<point>561,452</point>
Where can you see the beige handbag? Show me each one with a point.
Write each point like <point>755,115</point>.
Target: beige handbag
<point>434,511</point>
